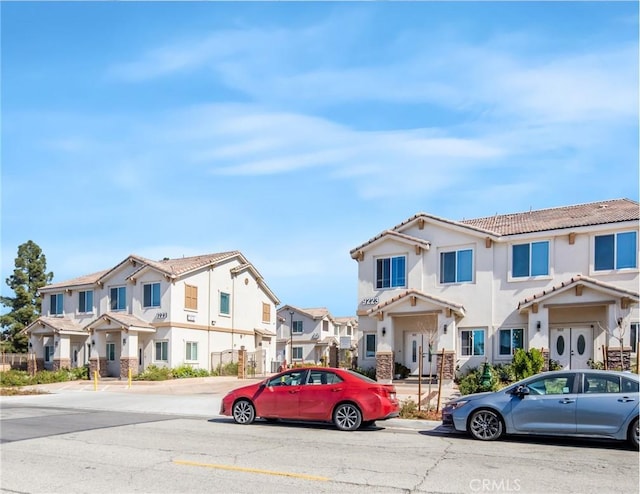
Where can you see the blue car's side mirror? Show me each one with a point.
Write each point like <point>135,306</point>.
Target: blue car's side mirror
<point>521,391</point>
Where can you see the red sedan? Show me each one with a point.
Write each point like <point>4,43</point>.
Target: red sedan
<point>320,394</point>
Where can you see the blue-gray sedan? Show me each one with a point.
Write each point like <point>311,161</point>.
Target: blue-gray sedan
<point>586,403</point>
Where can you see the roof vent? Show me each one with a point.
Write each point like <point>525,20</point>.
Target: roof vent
<point>603,206</point>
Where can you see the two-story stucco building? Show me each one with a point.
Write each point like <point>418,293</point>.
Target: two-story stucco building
<point>306,335</point>
<point>564,280</point>
<point>168,313</point>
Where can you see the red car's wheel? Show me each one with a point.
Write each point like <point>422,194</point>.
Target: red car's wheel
<point>243,412</point>
<point>347,417</point>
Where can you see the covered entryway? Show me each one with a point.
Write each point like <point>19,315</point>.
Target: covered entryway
<point>571,347</point>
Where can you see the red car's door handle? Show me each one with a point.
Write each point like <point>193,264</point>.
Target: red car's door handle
<point>336,389</point>
<point>292,391</point>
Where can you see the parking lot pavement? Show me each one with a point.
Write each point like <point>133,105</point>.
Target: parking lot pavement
<point>194,396</point>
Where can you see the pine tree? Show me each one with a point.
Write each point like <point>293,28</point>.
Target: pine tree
<point>28,277</point>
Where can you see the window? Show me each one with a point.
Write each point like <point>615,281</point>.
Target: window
<point>472,342</point>
<point>151,295</point>
<point>292,378</point>
<point>633,335</point>
<point>48,353</point>
<point>617,251</point>
<point>192,350</point>
<point>391,272</point>
<point>297,353</point>
<point>85,302</point>
<point>224,303</point>
<point>111,352</point>
<point>266,312</point>
<point>118,298</point>
<point>530,259</point>
<point>601,384</point>
<point>57,304</point>
<point>323,377</point>
<point>370,345</point>
<point>552,385</point>
<point>190,297</point>
<point>162,351</point>
<point>456,266</point>
<point>511,340</point>
<point>297,327</point>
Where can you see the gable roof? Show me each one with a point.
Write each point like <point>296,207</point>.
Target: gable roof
<point>86,280</point>
<point>580,215</point>
<point>594,213</point>
<point>174,268</point>
<point>126,321</point>
<point>59,325</point>
<point>407,294</point>
<point>578,280</point>
<point>402,237</point>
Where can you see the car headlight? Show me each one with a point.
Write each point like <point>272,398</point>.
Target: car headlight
<point>456,404</point>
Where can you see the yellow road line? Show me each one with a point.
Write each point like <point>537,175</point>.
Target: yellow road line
<point>251,470</point>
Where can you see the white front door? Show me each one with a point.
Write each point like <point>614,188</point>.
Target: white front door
<point>413,343</point>
<point>571,347</point>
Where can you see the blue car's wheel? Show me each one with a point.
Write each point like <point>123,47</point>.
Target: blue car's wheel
<point>485,425</point>
<point>634,434</point>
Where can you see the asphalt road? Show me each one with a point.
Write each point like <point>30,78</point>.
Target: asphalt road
<point>76,449</point>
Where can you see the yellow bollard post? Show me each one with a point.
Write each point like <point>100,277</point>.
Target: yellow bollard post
<point>129,378</point>
<point>95,380</point>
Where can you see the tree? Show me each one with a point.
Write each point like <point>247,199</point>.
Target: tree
<point>28,277</point>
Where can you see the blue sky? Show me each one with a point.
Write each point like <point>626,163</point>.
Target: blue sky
<point>294,132</point>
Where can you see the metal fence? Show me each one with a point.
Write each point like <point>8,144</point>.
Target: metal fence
<point>225,363</point>
<point>16,361</point>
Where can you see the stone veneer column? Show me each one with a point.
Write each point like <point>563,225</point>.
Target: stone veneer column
<point>384,366</point>
<point>61,363</point>
<point>34,365</point>
<point>334,356</point>
<point>94,365</point>
<point>449,370</point>
<point>613,358</point>
<point>103,370</point>
<point>242,363</point>
<point>127,363</point>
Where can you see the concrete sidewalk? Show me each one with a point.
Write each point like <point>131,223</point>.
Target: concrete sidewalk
<point>408,389</point>
<point>196,397</point>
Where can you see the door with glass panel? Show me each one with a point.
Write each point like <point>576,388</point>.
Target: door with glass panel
<point>571,347</point>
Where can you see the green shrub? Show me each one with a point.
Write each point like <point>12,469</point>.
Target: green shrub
<point>527,364</point>
<point>593,364</point>
<point>401,370</point>
<point>471,382</point>
<point>22,378</point>
<point>555,365</point>
<point>15,378</point>
<point>228,369</point>
<point>186,371</point>
<point>370,372</point>
<point>505,372</point>
<point>154,373</point>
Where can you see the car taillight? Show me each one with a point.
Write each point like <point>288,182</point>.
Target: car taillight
<point>385,392</point>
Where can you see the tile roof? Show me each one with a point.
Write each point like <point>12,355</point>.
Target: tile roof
<point>418,293</point>
<point>594,213</point>
<point>578,280</point>
<point>89,279</point>
<point>176,267</point>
